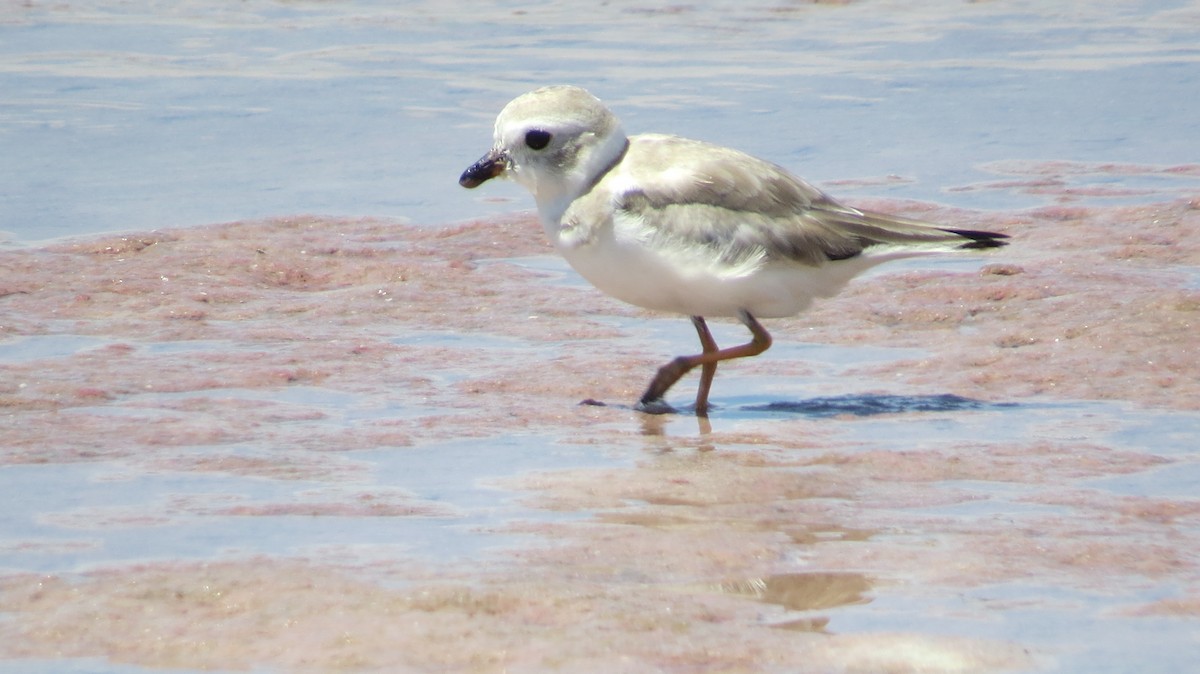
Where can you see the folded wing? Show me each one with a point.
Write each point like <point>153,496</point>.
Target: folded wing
<point>696,194</point>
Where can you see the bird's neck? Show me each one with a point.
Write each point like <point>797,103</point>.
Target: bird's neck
<point>553,199</point>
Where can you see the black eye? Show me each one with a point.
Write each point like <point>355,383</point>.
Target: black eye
<point>537,139</point>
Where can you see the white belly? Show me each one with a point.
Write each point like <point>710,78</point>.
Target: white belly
<point>691,284</point>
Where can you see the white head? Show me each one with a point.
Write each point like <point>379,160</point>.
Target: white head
<point>556,141</point>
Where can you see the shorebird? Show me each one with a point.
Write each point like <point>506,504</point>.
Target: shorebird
<point>684,226</point>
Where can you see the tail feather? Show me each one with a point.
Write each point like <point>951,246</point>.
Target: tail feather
<point>979,239</point>
<point>873,228</point>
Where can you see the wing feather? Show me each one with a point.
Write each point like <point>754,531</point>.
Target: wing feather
<point>696,194</point>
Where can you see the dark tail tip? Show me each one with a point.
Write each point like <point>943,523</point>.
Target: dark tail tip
<point>979,239</point>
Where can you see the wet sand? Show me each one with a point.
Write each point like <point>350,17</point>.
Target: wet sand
<point>1025,506</point>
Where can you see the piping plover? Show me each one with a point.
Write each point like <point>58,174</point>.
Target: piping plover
<point>684,226</point>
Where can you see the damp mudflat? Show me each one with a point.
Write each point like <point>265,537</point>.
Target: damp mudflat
<point>305,443</point>
<point>313,444</point>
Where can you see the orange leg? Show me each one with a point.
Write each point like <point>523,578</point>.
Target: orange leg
<point>707,370</point>
<point>652,399</point>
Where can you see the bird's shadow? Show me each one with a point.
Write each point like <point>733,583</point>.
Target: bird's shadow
<point>874,404</point>
<point>851,405</point>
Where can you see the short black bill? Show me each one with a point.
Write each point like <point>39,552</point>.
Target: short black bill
<point>490,165</point>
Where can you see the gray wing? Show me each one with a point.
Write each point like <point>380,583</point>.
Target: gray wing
<point>741,206</point>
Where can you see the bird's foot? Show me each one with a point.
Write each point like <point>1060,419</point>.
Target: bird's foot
<point>654,406</point>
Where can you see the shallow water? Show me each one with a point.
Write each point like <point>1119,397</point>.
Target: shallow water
<point>321,444</point>
<point>275,424</point>
<point>118,117</point>
<point>67,518</point>
<point>437,503</point>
